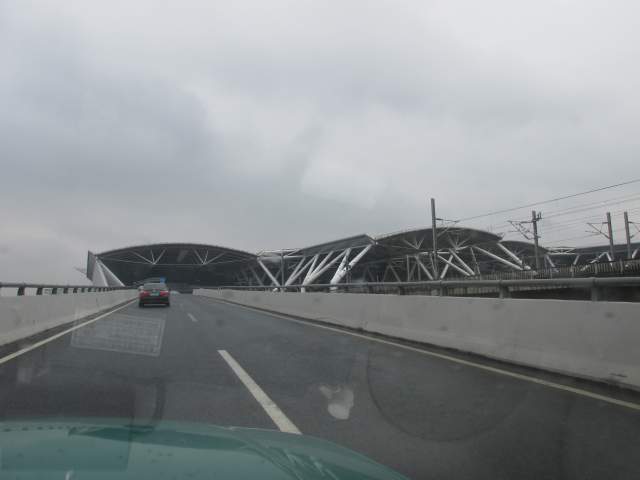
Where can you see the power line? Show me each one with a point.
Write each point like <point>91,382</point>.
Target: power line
<point>571,238</point>
<point>579,221</point>
<point>580,208</point>
<point>513,209</point>
<point>621,199</point>
<point>573,222</point>
<point>617,230</point>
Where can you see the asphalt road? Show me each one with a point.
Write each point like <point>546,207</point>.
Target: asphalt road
<point>426,417</point>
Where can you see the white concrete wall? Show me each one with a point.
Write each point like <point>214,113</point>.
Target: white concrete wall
<point>21,317</point>
<point>595,340</point>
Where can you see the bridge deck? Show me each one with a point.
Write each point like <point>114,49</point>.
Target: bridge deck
<point>425,416</point>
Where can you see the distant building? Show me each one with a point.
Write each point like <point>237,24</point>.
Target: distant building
<point>404,256</point>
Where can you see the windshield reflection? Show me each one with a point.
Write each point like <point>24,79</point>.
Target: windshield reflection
<point>124,333</point>
<point>59,380</point>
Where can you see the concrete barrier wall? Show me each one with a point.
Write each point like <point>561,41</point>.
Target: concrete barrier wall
<point>594,340</point>
<point>21,317</point>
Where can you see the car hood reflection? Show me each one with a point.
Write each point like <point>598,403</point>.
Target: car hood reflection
<point>91,448</point>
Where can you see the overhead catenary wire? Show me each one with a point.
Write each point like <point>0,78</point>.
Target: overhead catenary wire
<point>582,220</point>
<point>592,206</point>
<point>551,200</point>
<point>588,235</point>
<point>572,238</point>
<point>579,208</point>
<point>548,227</point>
<point>622,198</point>
<point>569,214</point>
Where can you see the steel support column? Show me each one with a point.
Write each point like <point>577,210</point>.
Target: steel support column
<point>496,257</point>
<point>462,262</point>
<point>513,256</point>
<point>274,280</point>
<point>449,263</point>
<point>342,271</point>
<point>321,269</point>
<point>424,269</point>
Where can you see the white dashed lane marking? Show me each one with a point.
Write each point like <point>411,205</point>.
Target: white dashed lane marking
<point>269,406</point>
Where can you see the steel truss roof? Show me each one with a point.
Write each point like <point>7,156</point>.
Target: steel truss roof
<point>401,256</point>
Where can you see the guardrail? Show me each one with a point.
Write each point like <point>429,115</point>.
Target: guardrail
<point>593,340</point>
<point>628,267</point>
<point>24,315</point>
<point>504,288</point>
<point>55,289</point>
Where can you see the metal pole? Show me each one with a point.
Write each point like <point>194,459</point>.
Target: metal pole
<point>534,221</point>
<point>626,230</point>
<point>435,239</point>
<point>610,236</point>
<point>475,262</point>
<point>282,270</point>
<point>408,268</point>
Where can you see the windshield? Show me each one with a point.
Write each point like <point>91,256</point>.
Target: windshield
<point>330,239</point>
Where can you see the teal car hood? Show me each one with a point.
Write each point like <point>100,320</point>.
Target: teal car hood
<point>113,449</point>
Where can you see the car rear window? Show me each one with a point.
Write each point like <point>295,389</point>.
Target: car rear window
<point>155,286</point>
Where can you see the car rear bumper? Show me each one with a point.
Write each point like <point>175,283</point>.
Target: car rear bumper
<point>154,301</point>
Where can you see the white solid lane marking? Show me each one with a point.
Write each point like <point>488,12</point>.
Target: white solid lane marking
<point>519,376</point>
<point>193,319</point>
<point>278,417</point>
<point>58,335</point>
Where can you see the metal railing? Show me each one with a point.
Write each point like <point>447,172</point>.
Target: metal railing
<point>617,268</point>
<point>504,288</point>
<point>54,289</point>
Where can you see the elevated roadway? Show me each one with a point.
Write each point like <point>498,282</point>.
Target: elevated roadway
<point>424,415</point>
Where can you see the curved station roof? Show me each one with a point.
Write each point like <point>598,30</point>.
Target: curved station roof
<point>180,263</point>
<point>395,257</point>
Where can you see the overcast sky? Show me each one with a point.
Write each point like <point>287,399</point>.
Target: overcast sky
<point>268,124</point>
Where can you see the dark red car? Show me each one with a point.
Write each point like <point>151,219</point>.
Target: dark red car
<point>154,294</point>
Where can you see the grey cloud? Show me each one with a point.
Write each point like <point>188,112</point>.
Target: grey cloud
<point>266,126</point>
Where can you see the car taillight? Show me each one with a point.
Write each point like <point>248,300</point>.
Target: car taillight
<point>164,293</point>
<point>144,293</point>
